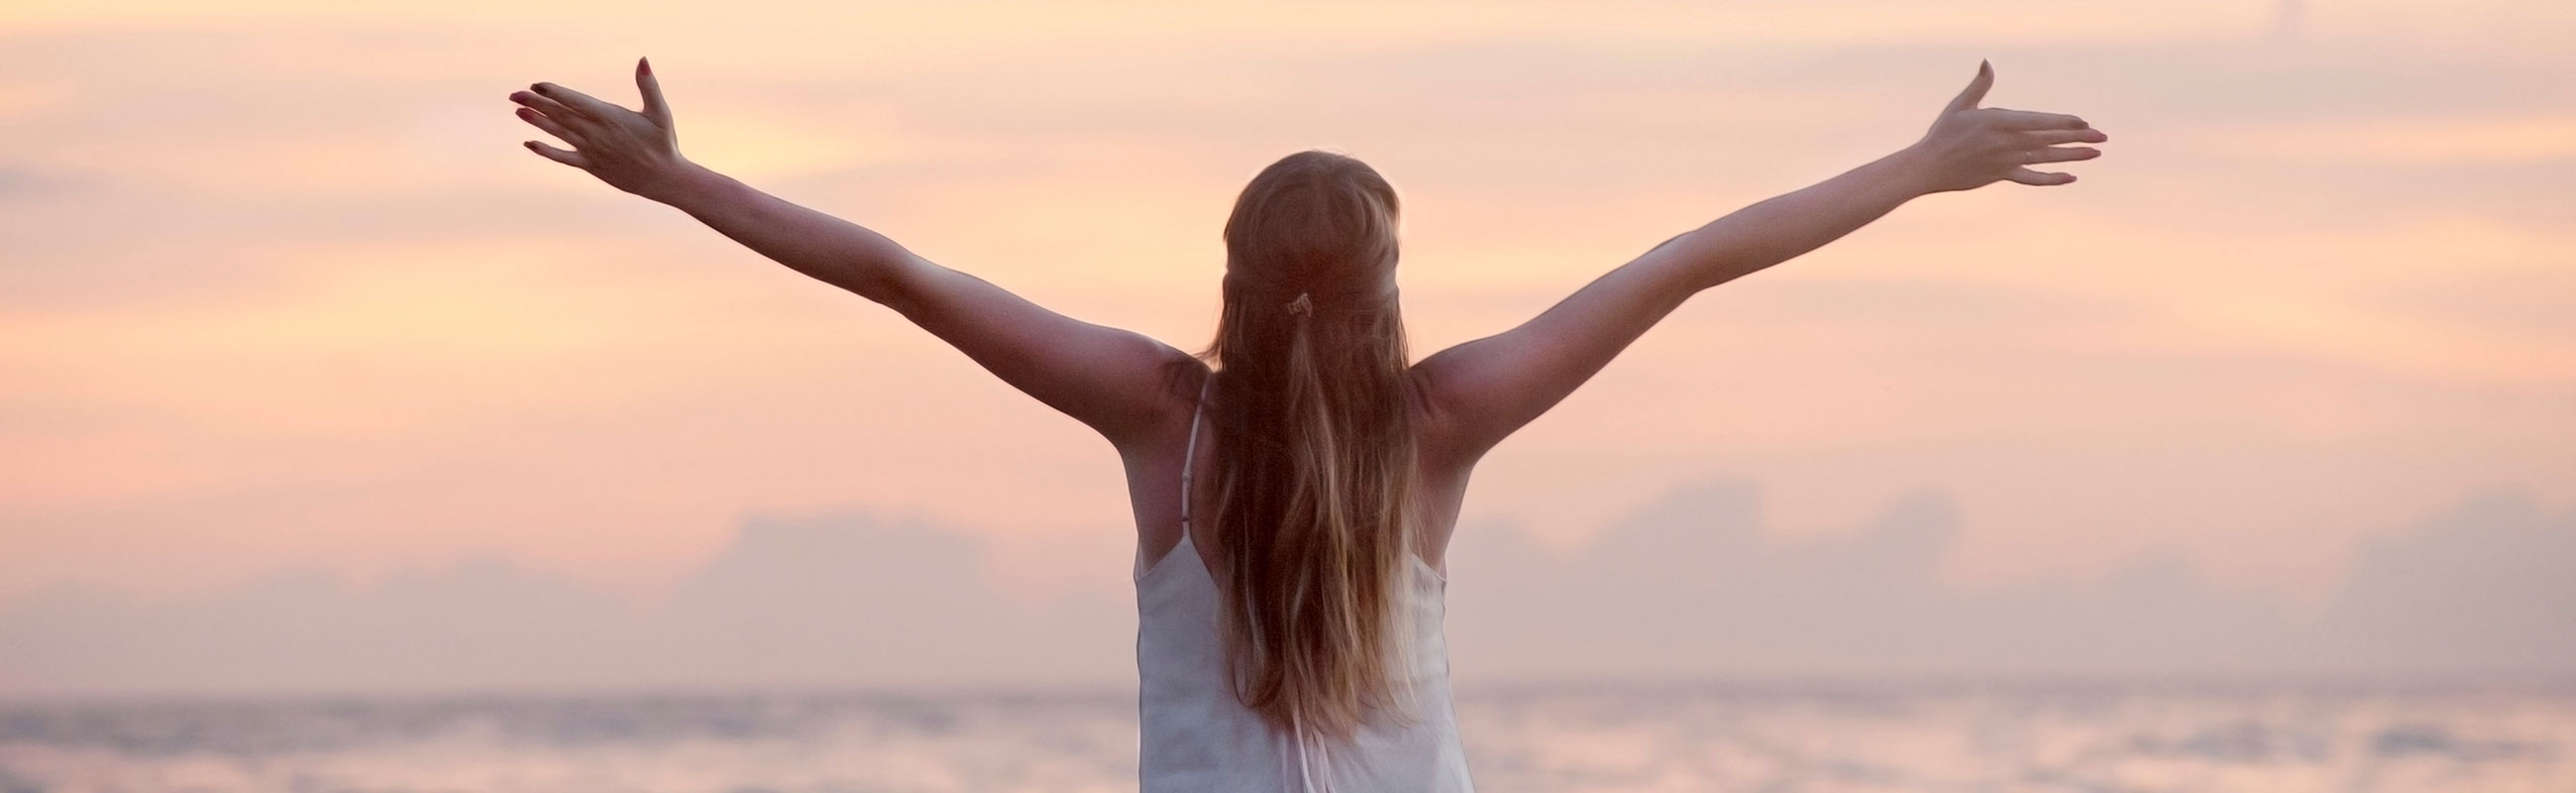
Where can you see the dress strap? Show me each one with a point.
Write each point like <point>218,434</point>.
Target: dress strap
<point>1190,454</point>
<point>1305,764</point>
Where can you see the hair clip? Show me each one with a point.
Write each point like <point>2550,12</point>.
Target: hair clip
<point>1303,305</point>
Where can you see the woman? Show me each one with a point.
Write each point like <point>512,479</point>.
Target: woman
<point>1289,637</point>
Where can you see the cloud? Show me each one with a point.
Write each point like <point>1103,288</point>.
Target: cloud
<point>835,600</point>
<point>24,182</point>
<point>1687,585</point>
<point>843,599</point>
<point>1690,585</point>
<point>2489,584</point>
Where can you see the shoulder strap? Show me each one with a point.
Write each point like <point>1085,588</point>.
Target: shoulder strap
<point>1190,454</point>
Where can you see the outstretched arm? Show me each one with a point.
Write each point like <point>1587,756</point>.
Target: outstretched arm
<point>1105,377</point>
<point>1483,390</point>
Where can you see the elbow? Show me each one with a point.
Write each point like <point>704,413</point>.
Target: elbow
<point>891,283</point>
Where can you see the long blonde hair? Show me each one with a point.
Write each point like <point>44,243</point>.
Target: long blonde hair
<point>1315,481</point>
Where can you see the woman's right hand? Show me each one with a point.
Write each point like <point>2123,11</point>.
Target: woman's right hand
<point>1970,147</point>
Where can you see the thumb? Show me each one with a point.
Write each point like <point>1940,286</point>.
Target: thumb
<point>1976,92</point>
<point>654,108</point>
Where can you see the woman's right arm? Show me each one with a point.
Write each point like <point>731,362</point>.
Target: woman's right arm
<point>1108,378</point>
<point>1483,390</point>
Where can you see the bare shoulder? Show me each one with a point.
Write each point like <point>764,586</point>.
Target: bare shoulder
<point>1435,427</point>
<point>1447,461</point>
<point>1172,401</point>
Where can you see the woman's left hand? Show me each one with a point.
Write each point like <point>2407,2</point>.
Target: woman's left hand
<point>638,152</point>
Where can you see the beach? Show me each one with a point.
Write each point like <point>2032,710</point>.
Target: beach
<point>2021,736</point>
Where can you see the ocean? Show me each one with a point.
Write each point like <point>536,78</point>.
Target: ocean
<point>2003,737</point>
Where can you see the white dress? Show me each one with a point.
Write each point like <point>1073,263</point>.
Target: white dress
<point>1197,737</point>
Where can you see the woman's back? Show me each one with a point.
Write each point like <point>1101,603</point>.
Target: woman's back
<point>1198,736</point>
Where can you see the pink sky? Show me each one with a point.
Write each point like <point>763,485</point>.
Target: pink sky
<point>279,288</point>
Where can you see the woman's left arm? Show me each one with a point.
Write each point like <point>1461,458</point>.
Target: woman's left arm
<point>1107,378</point>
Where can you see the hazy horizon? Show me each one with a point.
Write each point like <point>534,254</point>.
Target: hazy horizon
<point>1689,586</point>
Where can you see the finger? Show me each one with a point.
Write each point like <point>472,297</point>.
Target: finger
<point>654,108</point>
<point>585,103</point>
<point>552,109</point>
<point>551,128</point>
<point>2060,154</point>
<point>2052,137</point>
<point>1968,99</point>
<point>2025,119</point>
<point>572,158</point>
<point>2040,178</point>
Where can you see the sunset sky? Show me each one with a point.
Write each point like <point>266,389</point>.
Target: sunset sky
<point>281,290</point>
